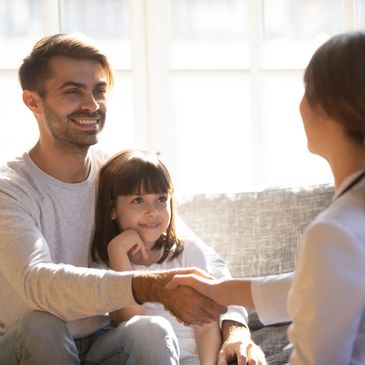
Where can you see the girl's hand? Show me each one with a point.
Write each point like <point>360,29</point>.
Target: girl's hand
<point>123,247</point>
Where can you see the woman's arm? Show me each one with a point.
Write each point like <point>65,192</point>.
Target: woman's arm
<point>224,292</point>
<point>127,242</point>
<point>208,340</point>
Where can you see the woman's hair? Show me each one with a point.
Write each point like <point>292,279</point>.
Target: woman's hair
<point>335,81</point>
<point>131,172</point>
<point>35,69</point>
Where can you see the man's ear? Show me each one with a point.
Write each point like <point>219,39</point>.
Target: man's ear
<point>33,101</point>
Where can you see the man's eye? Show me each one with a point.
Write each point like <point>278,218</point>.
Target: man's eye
<point>100,92</point>
<point>72,91</point>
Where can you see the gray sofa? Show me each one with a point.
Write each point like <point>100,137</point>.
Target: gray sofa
<point>257,233</point>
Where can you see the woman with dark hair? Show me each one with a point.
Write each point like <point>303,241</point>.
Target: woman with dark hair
<point>327,296</point>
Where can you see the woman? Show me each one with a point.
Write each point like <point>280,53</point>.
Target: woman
<point>327,297</point>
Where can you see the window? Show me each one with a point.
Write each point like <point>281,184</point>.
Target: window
<point>213,86</point>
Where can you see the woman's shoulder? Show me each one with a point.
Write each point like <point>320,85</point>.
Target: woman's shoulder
<point>346,213</point>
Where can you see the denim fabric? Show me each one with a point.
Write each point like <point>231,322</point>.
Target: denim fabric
<point>43,339</point>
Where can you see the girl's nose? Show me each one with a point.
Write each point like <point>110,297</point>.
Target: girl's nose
<point>152,210</point>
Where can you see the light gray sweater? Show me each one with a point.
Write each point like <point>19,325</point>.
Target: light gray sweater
<point>46,228</point>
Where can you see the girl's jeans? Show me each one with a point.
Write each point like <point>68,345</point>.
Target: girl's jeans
<point>43,339</point>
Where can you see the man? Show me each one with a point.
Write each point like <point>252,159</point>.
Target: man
<point>53,305</point>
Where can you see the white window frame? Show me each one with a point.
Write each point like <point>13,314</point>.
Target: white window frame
<point>149,28</point>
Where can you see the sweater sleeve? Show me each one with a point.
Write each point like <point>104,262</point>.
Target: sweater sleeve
<point>26,266</point>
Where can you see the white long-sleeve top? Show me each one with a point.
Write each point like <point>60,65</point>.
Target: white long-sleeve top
<point>270,296</point>
<point>327,299</point>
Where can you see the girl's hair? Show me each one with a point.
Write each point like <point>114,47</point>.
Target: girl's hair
<point>335,81</point>
<point>131,172</point>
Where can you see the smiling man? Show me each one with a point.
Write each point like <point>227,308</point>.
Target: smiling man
<point>53,306</point>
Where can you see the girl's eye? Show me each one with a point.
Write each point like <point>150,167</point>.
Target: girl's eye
<point>162,199</point>
<point>137,200</point>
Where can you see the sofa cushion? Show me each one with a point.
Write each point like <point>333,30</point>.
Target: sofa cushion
<point>257,233</point>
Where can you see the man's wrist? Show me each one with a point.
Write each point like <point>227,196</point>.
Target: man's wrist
<point>146,287</point>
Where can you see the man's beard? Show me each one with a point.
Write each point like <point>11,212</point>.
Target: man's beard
<point>67,137</point>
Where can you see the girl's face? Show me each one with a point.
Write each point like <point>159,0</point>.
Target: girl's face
<point>148,214</point>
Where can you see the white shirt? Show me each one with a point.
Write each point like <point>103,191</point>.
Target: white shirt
<point>327,299</point>
<point>270,295</point>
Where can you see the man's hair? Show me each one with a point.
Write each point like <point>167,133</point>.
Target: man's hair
<point>35,69</point>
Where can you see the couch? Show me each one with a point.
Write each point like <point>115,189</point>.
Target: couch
<point>257,233</point>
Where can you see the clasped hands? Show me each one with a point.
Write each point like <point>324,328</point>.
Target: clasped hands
<point>169,287</point>
<point>194,298</point>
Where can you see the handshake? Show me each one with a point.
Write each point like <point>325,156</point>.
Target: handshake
<point>192,296</point>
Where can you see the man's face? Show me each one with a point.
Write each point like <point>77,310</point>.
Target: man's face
<point>74,108</point>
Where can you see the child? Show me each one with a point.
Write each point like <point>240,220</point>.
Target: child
<point>135,230</point>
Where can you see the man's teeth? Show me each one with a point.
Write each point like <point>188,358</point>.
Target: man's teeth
<point>86,121</point>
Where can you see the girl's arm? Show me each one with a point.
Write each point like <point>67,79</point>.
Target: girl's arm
<point>209,341</point>
<point>126,243</point>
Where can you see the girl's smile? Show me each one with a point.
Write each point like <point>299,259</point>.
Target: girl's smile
<point>148,214</point>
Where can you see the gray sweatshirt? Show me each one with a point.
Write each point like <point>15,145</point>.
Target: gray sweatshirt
<point>46,228</point>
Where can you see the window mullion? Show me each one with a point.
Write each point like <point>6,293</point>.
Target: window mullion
<point>256,27</point>
<point>162,126</point>
<point>138,31</point>
<point>51,10</point>
<point>348,11</point>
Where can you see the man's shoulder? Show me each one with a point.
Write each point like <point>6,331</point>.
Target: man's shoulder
<point>15,179</point>
<point>13,170</point>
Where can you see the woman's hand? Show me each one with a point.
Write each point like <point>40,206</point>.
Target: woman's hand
<point>202,283</point>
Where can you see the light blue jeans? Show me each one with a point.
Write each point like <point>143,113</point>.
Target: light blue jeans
<point>43,339</point>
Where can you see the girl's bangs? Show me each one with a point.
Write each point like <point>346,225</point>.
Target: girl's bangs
<point>144,179</point>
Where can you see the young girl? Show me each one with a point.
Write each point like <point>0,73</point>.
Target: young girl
<point>135,230</point>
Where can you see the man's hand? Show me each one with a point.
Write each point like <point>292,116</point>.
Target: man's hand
<point>189,306</point>
<point>237,344</point>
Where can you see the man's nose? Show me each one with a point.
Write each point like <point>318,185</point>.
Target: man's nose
<point>90,103</point>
